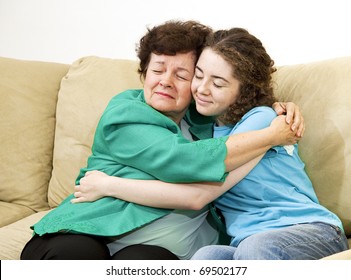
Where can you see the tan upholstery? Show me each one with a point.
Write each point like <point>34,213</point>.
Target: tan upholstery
<point>323,92</point>
<point>28,97</point>
<point>84,94</point>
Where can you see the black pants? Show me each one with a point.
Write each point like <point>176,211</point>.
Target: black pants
<point>84,247</point>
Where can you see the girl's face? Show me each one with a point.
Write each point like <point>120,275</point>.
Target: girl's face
<point>214,88</point>
<point>167,85</point>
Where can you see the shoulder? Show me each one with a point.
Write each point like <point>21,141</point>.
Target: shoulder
<point>255,119</point>
<point>129,100</point>
<point>130,94</point>
<point>130,107</point>
<point>260,111</point>
<point>261,114</point>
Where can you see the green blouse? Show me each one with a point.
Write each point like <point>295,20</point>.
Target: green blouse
<point>133,140</point>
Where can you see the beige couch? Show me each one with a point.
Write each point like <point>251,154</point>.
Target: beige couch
<point>48,114</point>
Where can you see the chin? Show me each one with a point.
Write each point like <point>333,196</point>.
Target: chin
<point>204,112</point>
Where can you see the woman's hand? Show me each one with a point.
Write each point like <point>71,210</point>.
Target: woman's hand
<point>293,113</point>
<point>93,186</point>
<point>282,132</point>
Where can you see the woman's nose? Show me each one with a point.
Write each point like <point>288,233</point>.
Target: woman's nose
<point>166,81</point>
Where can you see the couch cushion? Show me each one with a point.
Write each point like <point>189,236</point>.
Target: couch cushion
<point>11,212</point>
<point>84,94</point>
<point>28,96</point>
<point>14,237</point>
<point>345,255</point>
<point>323,92</point>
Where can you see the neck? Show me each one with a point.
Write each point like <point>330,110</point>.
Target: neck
<point>176,116</point>
<point>219,122</point>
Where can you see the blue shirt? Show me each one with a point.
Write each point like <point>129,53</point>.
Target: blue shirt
<point>276,193</point>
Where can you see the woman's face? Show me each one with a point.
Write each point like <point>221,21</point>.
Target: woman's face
<point>214,88</point>
<point>167,85</point>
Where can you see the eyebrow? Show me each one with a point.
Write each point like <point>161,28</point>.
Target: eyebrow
<point>178,68</point>
<point>213,76</point>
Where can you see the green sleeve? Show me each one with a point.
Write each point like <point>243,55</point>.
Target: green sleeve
<point>135,135</point>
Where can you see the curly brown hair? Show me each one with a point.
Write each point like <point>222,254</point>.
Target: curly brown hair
<point>252,66</point>
<point>170,38</point>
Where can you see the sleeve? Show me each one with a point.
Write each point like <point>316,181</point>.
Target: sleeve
<point>256,119</point>
<point>144,139</point>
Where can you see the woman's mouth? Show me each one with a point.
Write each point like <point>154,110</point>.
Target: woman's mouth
<point>164,94</point>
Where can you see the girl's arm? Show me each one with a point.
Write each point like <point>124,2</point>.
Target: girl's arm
<point>156,193</point>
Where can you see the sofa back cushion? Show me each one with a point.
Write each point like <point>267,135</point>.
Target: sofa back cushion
<point>85,91</point>
<point>28,96</point>
<point>323,92</point>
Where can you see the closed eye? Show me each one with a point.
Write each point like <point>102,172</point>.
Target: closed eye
<point>217,86</point>
<point>182,78</point>
<point>198,77</point>
<point>156,71</point>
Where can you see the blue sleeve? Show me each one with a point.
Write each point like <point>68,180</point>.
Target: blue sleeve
<point>256,119</point>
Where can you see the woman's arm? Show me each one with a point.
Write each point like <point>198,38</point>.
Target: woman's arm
<point>159,194</point>
<point>286,129</point>
<point>214,157</point>
<point>246,146</point>
<point>155,193</point>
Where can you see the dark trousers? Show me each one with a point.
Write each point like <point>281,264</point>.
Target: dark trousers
<point>84,247</point>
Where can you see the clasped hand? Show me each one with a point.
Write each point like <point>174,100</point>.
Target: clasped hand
<point>93,186</point>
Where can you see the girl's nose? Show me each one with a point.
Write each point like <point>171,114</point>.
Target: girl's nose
<point>203,89</point>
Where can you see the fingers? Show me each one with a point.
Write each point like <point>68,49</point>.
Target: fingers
<point>298,125</point>
<point>279,108</point>
<point>301,129</point>
<point>77,191</point>
<point>292,113</point>
<point>78,200</point>
<point>82,194</point>
<point>77,194</point>
<point>88,173</point>
<point>93,172</point>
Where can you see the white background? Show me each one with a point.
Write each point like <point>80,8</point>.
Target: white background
<point>293,31</point>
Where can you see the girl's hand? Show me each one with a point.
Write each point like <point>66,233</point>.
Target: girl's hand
<point>93,186</point>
